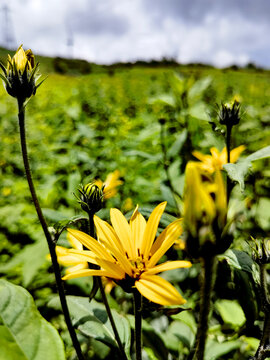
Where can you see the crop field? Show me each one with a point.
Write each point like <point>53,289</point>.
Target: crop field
<point>142,122</point>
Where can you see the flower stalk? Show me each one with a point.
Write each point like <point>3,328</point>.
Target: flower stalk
<point>228,146</point>
<point>138,323</point>
<point>263,351</point>
<point>50,242</point>
<point>207,282</point>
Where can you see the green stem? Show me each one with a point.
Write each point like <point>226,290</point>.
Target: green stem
<point>104,297</point>
<point>205,304</point>
<point>138,323</point>
<point>50,242</point>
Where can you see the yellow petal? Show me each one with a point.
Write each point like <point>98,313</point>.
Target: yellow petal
<point>123,232</point>
<point>76,268</point>
<point>173,229</point>
<point>91,244</point>
<point>84,255</point>
<point>122,259</point>
<point>200,156</point>
<point>106,232</point>
<point>111,241</point>
<point>159,290</point>
<point>87,272</point>
<point>115,271</point>
<point>221,198</point>
<point>223,156</point>
<point>66,258</point>
<point>151,229</point>
<point>74,242</point>
<point>137,225</point>
<point>169,265</point>
<point>164,241</point>
<point>235,153</point>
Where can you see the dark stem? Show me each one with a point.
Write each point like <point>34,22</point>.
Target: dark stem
<point>104,297</point>
<point>138,323</point>
<point>51,244</point>
<point>263,350</point>
<point>228,146</point>
<point>207,280</point>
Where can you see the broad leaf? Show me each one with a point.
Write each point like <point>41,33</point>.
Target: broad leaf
<point>32,258</point>
<point>25,328</point>
<point>239,260</point>
<point>237,172</point>
<point>231,312</point>
<point>215,350</point>
<point>92,320</point>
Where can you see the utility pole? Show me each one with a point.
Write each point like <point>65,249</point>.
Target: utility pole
<point>8,39</point>
<point>70,43</point>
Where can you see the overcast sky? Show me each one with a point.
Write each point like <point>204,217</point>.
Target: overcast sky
<point>218,32</point>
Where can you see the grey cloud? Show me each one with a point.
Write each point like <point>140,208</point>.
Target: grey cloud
<point>196,10</point>
<point>97,19</point>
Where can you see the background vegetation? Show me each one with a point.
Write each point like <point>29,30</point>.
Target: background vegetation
<point>88,120</point>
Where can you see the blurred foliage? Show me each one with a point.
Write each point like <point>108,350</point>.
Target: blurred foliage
<point>144,120</point>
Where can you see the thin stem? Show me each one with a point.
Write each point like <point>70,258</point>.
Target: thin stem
<point>228,146</point>
<point>50,242</point>
<point>264,289</point>
<point>138,323</point>
<point>263,350</point>
<point>206,289</point>
<point>104,297</point>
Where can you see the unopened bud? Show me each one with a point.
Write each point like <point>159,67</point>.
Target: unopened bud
<point>91,198</point>
<point>229,114</point>
<point>20,74</point>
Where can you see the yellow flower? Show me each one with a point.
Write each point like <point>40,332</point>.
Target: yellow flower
<point>215,161</point>
<point>128,254</point>
<point>110,184</point>
<point>205,202</point>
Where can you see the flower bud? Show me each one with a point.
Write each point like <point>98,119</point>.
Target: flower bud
<point>229,114</point>
<point>20,75</point>
<point>91,198</point>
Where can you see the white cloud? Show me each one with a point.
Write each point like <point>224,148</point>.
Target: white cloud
<point>120,30</point>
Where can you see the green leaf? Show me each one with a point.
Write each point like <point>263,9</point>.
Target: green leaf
<point>37,339</point>
<point>215,350</point>
<point>10,350</point>
<point>198,88</point>
<point>182,332</point>
<point>237,172</point>
<point>231,312</point>
<point>263,213</point>
<point>92,320</point>
<point>199,111</point>
<point>32,258</point>
<point>177,145</point>
<point>239,260</point>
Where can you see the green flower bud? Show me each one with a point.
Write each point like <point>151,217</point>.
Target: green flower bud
<point>91,198</point>
<point>229,114</point>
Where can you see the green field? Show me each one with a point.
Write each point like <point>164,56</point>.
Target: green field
<point>81,127</point>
